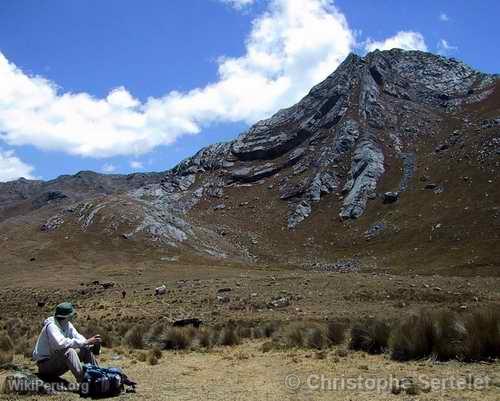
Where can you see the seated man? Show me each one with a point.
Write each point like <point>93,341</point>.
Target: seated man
<point>60,347</point>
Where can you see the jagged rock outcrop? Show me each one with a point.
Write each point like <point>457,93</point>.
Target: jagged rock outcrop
<point>374,116</point>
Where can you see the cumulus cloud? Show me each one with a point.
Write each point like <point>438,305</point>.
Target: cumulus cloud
<point>406,40</point>
<point>108,168</point>
<point>136,164</point>
<point>444,48</point>
<point>444,17</point>
<point>293,45</point>
<point>12,168</point>
<point>239,4</point>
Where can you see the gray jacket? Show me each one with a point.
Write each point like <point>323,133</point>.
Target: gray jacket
<point>54,337</point>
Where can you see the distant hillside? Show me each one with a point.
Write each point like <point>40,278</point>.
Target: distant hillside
<point>392,162</point>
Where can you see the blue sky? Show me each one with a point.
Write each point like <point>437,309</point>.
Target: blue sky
<point>122,85</point>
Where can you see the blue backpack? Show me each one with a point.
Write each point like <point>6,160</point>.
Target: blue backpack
<point>103,382</point>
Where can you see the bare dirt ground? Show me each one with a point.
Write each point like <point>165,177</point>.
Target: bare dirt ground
<point>193,290</point>
<point>246,373</point>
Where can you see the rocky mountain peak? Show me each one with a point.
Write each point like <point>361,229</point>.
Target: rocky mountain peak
<point>373,123</point>
<point>345,118</point>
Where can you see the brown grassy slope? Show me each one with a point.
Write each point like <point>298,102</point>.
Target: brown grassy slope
<point>455,232</point>
<point>466,213</point>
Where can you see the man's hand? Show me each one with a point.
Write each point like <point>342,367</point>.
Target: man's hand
<point>94,340</point>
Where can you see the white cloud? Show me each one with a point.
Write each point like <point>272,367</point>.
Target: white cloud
<point>12,168</point>
<point>444,17</point>
<point>108,168</point>
<point>406,40</point>
<point>136,164</point>
<point>444,48</point>
<point>293,45</point>
<point>239,4</point>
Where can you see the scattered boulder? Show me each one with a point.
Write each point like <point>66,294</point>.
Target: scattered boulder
<point>441,147</point>
<point>23,382</point>
<point>223,299</point>
<point>391,197</point>
<point>279,302</point>
<point>169,258</point>
<point>162,290</point>
<point>375,229</point>
<point>340,266</point>
<point>194,322</point>
<point>52,224</point>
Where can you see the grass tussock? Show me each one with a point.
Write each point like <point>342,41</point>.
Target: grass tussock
<point>244,331</point>
<point>134,337</point>
<point>448,336</point>
<point>156,351</point>
<point>305,335</point>
<point>205,338</point>
<point>16,327</point>
<point>482,339</point>
<point>155,331</point>
<point>316,337</point>
<point>228,336</point>
<point>141,356</point>
<point>6,348</point>
<point>413,337</point>
<point>24,346</point>
<point>109,338</point>
<point>371,336</point>
<point>152,359</point>
<point>177,338</point>
<point>266,329</point>
<point>444,335</point>
<point>336,332</point>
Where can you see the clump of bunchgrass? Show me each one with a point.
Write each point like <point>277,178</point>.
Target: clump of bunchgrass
<point>371,336</point>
